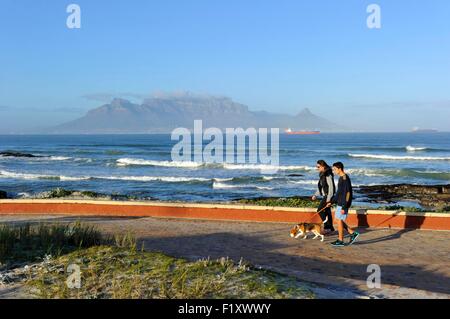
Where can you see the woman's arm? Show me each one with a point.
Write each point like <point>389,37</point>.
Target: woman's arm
<point>330,183</point>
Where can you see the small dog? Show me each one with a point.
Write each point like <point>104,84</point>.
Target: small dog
<point>304,229</point>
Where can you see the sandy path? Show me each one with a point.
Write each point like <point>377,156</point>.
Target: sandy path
<point>414,264</point>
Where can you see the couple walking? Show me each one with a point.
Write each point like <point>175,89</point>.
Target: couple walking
<point>342,197</point>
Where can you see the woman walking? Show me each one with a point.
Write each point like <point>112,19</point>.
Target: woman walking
<point>326,190</point>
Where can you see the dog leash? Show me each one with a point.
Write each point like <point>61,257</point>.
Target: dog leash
<point>318,213</point>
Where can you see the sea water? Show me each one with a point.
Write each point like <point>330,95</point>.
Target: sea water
<point>141,165</point>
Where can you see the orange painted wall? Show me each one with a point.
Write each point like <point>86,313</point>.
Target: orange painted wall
<point>220,213</point>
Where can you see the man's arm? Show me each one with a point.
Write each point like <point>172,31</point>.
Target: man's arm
<point>348,192</point>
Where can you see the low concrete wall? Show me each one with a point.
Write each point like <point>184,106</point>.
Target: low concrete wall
<point>361,218</point>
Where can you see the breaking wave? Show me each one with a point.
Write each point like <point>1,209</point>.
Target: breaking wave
<point>142,162</point>
<point>400,158</point>
<point>265,167</point>
<point>218,185</point>
<point>27,176</point>
<point>410,148</point>
<point>167,179</point>
<point>188,164</point>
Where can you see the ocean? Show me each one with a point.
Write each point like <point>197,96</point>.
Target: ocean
<point>141,166</point>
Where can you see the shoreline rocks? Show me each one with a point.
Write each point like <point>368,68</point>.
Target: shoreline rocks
<point>428,196</point>
<point>17,154</point>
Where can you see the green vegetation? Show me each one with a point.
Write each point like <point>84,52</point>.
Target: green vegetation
<point>66,193</point>
<point>113,272</point>
<point>58,193</point>
<point>281,202</point>
<point>113,267</point>
<point>308,203</point>
<point>29,243</point>
<point>403,209</point>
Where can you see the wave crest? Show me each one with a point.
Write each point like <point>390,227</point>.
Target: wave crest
<point>399,158</point>
<point>142,162</point>
<point>410,148</point>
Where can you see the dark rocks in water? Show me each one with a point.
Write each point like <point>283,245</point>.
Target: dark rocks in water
<point>295,175</point>
<point>17,154</point>
<point>3,195</point>
<point>429,196</point>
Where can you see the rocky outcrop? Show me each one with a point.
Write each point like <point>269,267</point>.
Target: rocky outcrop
<point>16,154</point>
<point>429,196</point>
<point>3,195</point>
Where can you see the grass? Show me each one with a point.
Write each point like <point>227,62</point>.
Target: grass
<point>409,209</point>
<point>67,193</point>
<point>281,202</point>
<point>308,203</point>
<point>114,267</point>
<point>126,273</point>
<point>403,209</point>
<point>29,243</point>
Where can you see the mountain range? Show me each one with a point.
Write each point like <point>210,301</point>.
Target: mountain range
<point>164,113</point>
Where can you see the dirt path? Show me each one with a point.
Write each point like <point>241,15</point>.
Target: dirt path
<point>414,264</point>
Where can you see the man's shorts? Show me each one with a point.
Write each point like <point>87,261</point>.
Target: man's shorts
<point>341,213</point>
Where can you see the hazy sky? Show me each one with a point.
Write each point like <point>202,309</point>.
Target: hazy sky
<point>277,56</point>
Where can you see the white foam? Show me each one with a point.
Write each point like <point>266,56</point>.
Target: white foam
<point>399,158</point>
<point>24,195</point>
<point>41,158</point>
<point>60,158</point>
<point>73,178</point>
<point>218,185</point>
<point>265,167</point>
<point>410,148</point>
<point>14,175</point>
<point>142,162</point>
<point>307,182</point>
<point>223,179</point>
<point>265,188</point>
<point>168,179</point>
<point>366,172</point>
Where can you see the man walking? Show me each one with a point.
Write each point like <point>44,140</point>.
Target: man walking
<point>326,189</point>
<point>343,199</point>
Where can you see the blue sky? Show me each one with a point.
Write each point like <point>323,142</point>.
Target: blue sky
<point>278,56</point>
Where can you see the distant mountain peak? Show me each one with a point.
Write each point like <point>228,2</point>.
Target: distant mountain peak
<point>119,102</point>
<point>305,112</point>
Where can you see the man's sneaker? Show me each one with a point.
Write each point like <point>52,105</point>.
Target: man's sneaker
<point>338,243</point>
<point>353,237</point>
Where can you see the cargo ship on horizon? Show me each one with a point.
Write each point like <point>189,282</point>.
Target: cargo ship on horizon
<point>419,130</point>
<point>303,132</point>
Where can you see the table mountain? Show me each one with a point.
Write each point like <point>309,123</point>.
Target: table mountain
<point>163,114</point>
